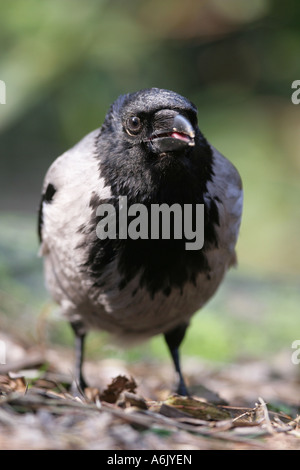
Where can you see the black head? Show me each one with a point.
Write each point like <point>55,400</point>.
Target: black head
<point>160,121</point>
<point>150,138</point>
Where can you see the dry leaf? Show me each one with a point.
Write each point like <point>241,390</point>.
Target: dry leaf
<point>118,385</point>
<point>135,400</point>
<point>196,408</point>
<point>9,385</point>
<point>92,394</point>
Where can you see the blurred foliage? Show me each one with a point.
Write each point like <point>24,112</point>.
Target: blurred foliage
<point>64,62</point>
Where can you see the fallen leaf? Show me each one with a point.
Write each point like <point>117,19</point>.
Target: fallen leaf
<point>9,385</point>
<point>118,385</point>
<point>196,408</point>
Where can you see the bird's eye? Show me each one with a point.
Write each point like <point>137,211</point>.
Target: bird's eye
<point>133,125</point>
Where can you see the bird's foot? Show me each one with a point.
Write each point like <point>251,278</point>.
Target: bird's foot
<point>182,388</point>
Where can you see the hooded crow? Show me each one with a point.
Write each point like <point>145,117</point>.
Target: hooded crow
<point>139,277</point>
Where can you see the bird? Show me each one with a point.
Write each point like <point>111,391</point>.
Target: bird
<point>149,150</point>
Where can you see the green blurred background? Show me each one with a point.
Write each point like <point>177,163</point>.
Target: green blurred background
<point>65,61</point>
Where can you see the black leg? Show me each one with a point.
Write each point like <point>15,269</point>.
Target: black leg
<point>173,339</point>
<point>79,383</point>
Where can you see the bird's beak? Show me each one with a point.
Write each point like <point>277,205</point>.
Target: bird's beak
<point>180,134</point>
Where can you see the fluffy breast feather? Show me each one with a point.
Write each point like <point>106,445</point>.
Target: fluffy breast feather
<point>128,312</point>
